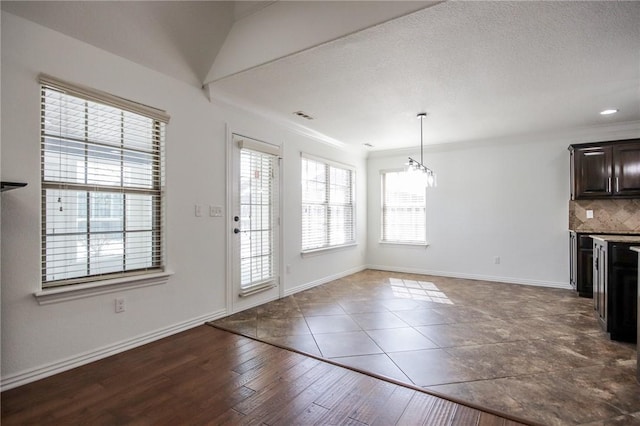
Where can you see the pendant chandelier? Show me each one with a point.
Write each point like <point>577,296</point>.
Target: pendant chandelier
<point>424,173</point>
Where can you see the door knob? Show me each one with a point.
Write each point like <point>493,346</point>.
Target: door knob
<point>236,231</point>
<point>236,219</point>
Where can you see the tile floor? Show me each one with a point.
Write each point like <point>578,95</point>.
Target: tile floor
<point>533,352</point>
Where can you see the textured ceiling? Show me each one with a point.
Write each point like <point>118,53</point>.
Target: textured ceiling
<point>479,69</point>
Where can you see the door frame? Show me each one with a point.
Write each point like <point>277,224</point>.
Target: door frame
<point>232,307</point>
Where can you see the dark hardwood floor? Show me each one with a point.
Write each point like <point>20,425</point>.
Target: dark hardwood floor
<point>209,376</point>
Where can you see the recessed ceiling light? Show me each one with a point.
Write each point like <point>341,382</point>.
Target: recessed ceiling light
<point>608,111</point>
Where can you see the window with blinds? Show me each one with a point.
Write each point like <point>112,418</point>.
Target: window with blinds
<point>102,185</point>
<point>258,219</point>
<point>328,216</point>
<point>404,212</point>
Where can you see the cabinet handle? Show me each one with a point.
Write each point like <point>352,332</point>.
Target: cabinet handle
<point>617,184</point>
<point>609,185</point>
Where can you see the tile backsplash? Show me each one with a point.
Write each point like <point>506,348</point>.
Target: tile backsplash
<point>617,215</point>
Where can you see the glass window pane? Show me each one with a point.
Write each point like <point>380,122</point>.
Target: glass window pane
<point>106,212</point>
<point>137,132</point>
<point>139,212</point>
<point>104,166</point>
<point>64,160</point>
<point>66,211</point>
<point>139,250</point>
<point>106,253</point>
<point>104,124</point>
<point>66,257</point>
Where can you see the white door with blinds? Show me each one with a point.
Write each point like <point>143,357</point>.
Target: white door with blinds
<point>255,222</point>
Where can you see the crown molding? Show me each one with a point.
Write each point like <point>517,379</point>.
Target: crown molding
<point>585,134</point>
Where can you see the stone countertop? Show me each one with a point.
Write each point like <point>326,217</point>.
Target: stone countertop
<point>635,249</point>
<point>617,238</point>
<point>597,232</point>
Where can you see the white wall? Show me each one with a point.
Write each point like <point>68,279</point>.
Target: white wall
<point>41,340</point>
<point>506,198</point>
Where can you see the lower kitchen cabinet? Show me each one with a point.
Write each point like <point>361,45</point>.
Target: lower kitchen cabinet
<point>637,250</point>
<point>581,259</point>
<point>615,286</point>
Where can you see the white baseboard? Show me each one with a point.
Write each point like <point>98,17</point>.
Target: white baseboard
<point>324,280</point>
<point>31,375</point>
<point>508,280</point>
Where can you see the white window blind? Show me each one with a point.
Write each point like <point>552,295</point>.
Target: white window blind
<point>102,185</point>
<point>403,208</point>
<point>328,218</point>
<point>258,219</point>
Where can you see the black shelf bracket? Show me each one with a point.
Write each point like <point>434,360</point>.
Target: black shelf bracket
<point>6,186</point>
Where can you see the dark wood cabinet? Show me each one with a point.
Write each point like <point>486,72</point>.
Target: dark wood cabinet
<point>623,291</point>
<point>605,170</point>
<point>573,260</point>
<point>637,250</point>
<point>626,169</point>
<point>615,288</point>
<point>600,282</point>
<point>581,263</point>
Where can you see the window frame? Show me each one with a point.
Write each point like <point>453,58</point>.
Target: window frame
<point>420,243</point>
<point>90,284</point>
<point>327,231</point>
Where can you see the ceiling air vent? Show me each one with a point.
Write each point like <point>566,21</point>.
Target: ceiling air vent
<point>303,115</point>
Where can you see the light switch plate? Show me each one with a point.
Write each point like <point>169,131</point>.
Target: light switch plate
<point>589,214</point>
<point>198,210</point>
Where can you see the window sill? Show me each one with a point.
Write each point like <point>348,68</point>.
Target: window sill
<point>322,250</point>
<point>81,291</point>
<point>398,243</point>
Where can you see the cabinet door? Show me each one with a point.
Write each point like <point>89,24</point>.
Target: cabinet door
<point>626,161</point>
<point>623,292</point>
<point>573,259</point>
<point>584,275</point>
<point>600,283</point>
<point>593,172</point>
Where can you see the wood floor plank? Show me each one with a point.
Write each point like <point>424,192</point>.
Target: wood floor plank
<point>209,376</point>
<point>338,390</point>
<point>465,416</point>
<point>289,412</point>
<point>365,411</point>
<point>441,413</point>
<point>417,409</point>
<point>310,416</point>
<point>352,397</point>
<point>488,419</point>
<point>391,412</point>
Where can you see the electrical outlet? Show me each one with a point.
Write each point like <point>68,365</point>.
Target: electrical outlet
<point>120,305</point>
<point>215,211</point>
<point>496,260</point>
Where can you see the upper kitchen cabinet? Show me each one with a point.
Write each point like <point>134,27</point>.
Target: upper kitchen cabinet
<point>605,170</point>
<point>626,168</point>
